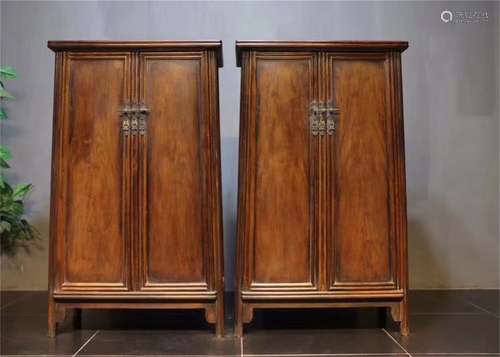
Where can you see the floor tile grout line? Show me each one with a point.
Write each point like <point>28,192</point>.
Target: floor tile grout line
<point>85,344</point>
<point>481,308</point>
<point>396,342</point>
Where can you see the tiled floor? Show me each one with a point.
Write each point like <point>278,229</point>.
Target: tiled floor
<point>443,323</point>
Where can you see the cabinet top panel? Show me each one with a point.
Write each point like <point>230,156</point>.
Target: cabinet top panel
<point>352,46</point>
<point>137,46</point>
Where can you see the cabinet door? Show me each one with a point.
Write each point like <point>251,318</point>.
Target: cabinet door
<point>361,244</point>
<point>174,233</point>
<point>277,224</point>
<point>91,178</point>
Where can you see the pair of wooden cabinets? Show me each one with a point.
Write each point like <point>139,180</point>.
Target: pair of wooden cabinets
<point>136,188</point>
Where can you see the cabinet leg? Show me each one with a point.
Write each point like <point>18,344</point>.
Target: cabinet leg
<point>210,314</point>
<point>214,314</point>
<point>52,318</point>
<point>396,312</point>
<point>244,315</point>
<point>247,314</point>
<point>399,314</point>
<point>61,313</point>
<point>404,324</point>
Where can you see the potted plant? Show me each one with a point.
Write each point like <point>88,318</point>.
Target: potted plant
<point>15,229</point>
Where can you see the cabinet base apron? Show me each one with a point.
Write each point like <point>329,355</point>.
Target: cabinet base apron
<point>397,305</point>
<point>62,307</point>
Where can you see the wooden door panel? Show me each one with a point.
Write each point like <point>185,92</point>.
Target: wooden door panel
<point>361,247</point>
<point>95,251</point>
<point>174,230</point>
<point>283,251</point>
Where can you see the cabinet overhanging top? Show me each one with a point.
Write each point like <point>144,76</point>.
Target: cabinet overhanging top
<point>57,46</point>
<point>352,46</point>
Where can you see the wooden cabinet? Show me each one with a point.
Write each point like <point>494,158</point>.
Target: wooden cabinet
<point>136,187</point>
<point>322,202</point>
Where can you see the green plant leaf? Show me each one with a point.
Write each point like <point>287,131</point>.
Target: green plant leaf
<point>5,94</point>
<point>21,190</point>
<point>16,208</point>
<point>4,164</point>
<point>8,72</point>
<point>6,191</point>
<point>5,153</point>
<point>3,114</point>
<point>5,226</point>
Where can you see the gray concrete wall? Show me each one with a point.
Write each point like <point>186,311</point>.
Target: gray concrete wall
<point>451,100</point>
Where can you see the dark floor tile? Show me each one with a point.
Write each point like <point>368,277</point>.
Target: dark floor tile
<point>27,335</point>
<point>486,299</point>
<point>161,342</point>
<point>8,297</point>
<point>440,301</point>
<point>322,331</point>
<point>32,304</point>
<point>451,334</point>
<point>318,341</point>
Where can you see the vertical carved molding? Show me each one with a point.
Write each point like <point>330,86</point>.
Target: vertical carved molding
<point>133,180</point>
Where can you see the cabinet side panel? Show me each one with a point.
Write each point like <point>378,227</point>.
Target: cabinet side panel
<point>95,243</point>
<point>174,246</point>
<point>283,221</point>
<point>361,223</point>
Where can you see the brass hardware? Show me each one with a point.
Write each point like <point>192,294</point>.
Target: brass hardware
<point>134,118</point>
<point>126,125</point>
<point>142,108</point>
<point>143,112</point>
<point>322,118</point>
<point>142,127</point>
<point>331,118</point>
<point>134,124</point>
<point>126,114</point>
